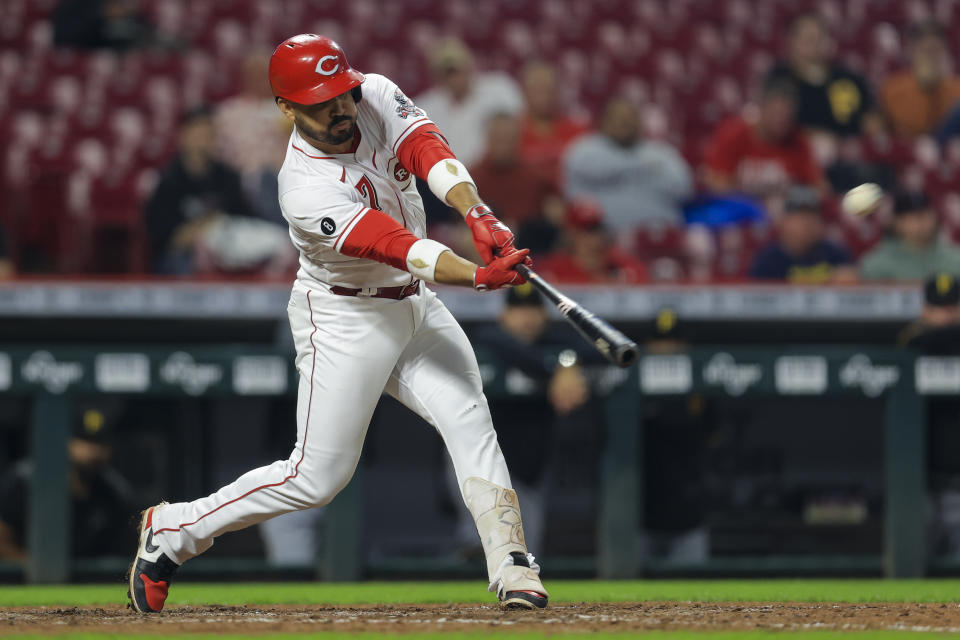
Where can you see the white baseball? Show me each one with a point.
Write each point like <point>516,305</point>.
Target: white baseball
<point>862,200</point>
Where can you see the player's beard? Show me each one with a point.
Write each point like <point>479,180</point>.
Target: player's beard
<point>328,137</point>
<point>346,134</point>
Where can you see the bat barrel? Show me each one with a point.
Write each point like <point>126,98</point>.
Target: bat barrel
<point>615,346</point>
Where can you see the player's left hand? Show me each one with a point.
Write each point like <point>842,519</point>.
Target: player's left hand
<point>492,238</point>
<point>500,272</point>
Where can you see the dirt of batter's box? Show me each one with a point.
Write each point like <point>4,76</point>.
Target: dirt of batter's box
<point>620,617</point>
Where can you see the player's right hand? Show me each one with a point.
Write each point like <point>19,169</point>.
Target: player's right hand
<point>491,237</point>
<point>500,272</point>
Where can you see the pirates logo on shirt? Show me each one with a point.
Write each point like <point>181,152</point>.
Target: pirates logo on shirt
<point>328,226</point>
<point>405,106</point>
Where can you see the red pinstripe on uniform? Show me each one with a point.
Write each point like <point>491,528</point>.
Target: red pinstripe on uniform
<point>346,227</point>
<point>303,452</point>
<point>422,149</point>
<point>412,125</point>
<point>310,156</point>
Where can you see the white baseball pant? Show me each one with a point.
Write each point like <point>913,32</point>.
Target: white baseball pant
<point>349,350</point>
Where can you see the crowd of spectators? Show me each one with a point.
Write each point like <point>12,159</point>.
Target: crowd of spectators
<point>608,198</point>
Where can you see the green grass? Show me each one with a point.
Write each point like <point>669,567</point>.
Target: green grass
<point>188,593</point>
<point>194,593</point>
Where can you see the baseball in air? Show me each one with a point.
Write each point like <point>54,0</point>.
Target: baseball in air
<point>862,200</point>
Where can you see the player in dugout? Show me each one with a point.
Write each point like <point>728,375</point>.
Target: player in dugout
<point>363,321</point>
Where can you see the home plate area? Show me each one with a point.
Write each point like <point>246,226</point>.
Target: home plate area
<point>620,617</point>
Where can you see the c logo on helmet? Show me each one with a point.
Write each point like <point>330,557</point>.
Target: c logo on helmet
<point>327,72</point>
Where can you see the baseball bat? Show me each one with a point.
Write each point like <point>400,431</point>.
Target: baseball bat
<point>616,347</point>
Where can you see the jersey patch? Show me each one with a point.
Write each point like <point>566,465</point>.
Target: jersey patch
<point>328,226</point>
<point>405,106</point>
<point>400,174</point>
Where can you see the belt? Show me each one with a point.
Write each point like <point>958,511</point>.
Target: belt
<point>393,293</point>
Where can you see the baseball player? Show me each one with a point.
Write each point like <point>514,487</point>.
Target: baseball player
<point>363,321</point>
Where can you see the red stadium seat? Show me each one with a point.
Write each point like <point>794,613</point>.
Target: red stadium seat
<point>690,63</point>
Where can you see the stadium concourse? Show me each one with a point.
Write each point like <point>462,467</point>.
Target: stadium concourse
<point>84,133</point>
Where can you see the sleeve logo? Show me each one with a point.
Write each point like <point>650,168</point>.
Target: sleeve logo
<point>325,69</point>
<point>405,106</point>
<point>328,226</point>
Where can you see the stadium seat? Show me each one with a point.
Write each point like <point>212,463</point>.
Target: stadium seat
<point>689,63</point>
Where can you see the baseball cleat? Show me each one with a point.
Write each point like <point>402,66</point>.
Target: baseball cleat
<point>521,587</point>
<point>151,571</point>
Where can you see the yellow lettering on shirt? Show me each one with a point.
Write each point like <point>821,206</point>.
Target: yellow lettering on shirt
<point>814,274</point>
<point>845,99</point>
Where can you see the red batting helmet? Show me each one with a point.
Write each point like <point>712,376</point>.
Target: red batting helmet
<point>308,69</point>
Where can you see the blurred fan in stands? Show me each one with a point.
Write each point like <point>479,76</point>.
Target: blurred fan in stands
<point>521,192</point>
<point>915,249</point>
<point>637,182</point>
<point>101,24</point>
<point>937,330</point>
<point>830,98</point>
<point>801,254</point>
<point>918,100</point>
<point>462,98</point>
<point>763,154</point>
<point>252,136</point>
<point>587,253</point>
<point>547,128</point>
<point>198,218</point>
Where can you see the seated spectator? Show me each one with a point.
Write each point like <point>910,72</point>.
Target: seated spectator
<point>547,130</point>
<point>463,99</point>
<point>100,498</point>
<point>916,250</point>
<point>830,98</point>
<point>801,254</point>
<point>519,192</point>
<point>918,100</point>
<point>195,190</point>
<point>100,24</point>
<point>588,254</point>
<point>637,182</point>
<point>252,136</point>
<point>937,330</point>
<point>762,156</point>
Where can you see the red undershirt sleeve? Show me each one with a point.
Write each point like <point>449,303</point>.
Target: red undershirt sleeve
<point>377,236</point>
<point>422,149</point>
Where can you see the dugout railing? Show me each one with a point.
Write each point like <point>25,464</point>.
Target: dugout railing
<point>52,377</point>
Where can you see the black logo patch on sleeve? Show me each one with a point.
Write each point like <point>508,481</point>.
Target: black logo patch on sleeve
<point>328,226</point>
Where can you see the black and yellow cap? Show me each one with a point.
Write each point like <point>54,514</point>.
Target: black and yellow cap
<point>524,295</point>
<point>942,290</point>
<point>93,422</point>
<point>665,323</point>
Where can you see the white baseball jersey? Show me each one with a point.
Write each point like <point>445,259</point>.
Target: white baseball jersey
<point>323,196</point>
<point>350,349</point>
